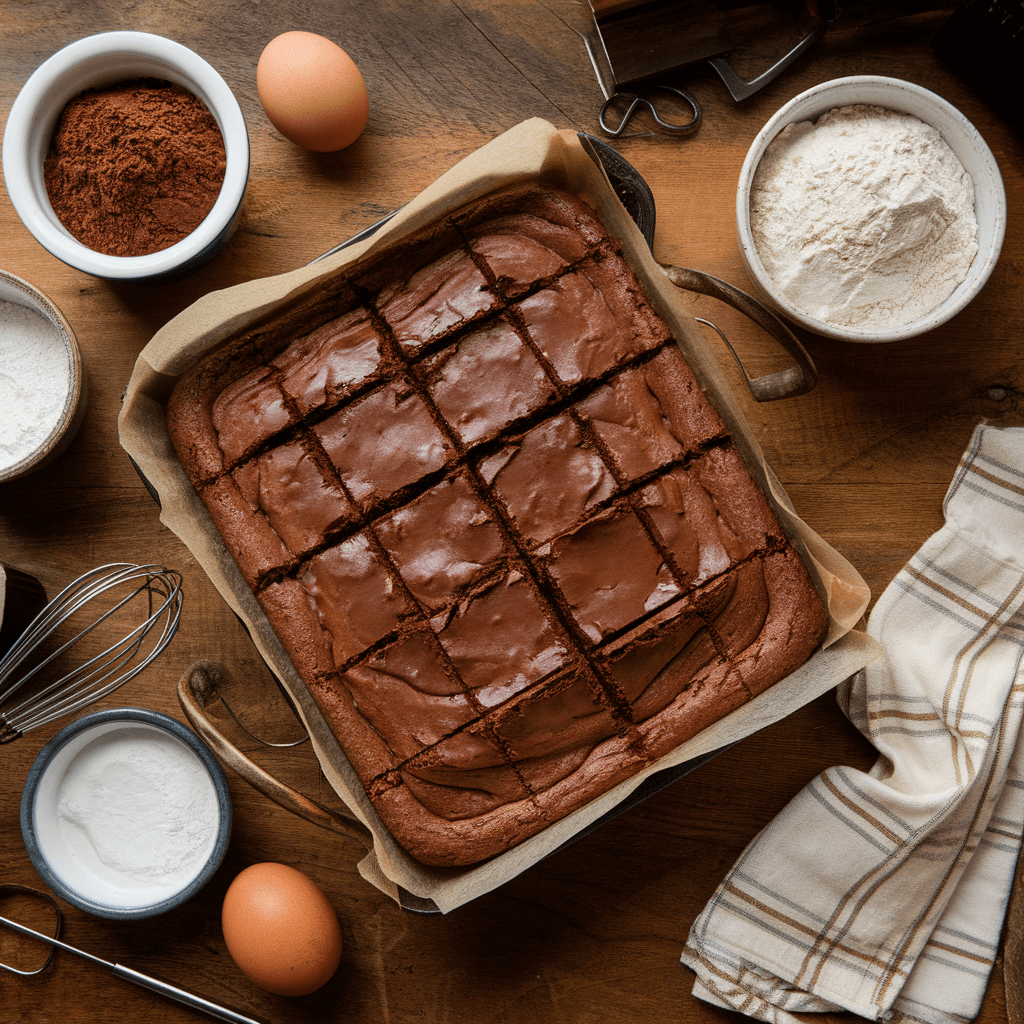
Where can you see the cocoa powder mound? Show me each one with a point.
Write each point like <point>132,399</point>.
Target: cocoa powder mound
<point>135,167</point>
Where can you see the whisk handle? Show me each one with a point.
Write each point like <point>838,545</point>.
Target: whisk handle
<point>180,995</point>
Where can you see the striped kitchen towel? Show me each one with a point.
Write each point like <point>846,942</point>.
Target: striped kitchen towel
<point>884,892</point>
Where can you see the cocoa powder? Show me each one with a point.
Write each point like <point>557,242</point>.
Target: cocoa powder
<point>134,167</point>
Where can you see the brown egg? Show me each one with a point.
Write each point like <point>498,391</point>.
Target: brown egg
<point>281,930</point>
<point>312,91</point>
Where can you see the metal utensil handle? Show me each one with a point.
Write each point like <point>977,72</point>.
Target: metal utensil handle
<point>181,996</point>
<point>144,980</point>
<point>788,383</point>
<point>741,89</point>
<point>197,688</point>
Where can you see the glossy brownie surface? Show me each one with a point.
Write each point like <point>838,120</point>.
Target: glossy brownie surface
<point>508,543</point>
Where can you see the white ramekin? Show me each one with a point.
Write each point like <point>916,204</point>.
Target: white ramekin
<point>60,851</point>
<point>14,290</point>
<point>98,61</point>
<point>961,136</point>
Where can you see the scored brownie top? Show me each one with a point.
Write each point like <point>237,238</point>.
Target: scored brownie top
<point>489,473</point>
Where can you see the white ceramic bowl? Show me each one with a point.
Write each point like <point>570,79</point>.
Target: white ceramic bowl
<point>961,136</point>
<point>98,61</point>
<point>126,813</point>
<point>63,421</point>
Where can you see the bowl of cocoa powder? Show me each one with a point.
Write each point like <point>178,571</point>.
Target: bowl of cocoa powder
<point>869,209</point>
<point>126,156</point>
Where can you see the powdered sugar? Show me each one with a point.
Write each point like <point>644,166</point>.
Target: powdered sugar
<point>864,218</point>
<point>136,817</point>
<point>35,381</point>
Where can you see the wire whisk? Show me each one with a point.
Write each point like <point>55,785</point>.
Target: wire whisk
<point>148,595</point>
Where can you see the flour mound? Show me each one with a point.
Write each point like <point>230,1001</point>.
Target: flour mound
<point>864,218</point>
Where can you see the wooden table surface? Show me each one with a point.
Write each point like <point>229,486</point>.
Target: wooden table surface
<point>594,932</point>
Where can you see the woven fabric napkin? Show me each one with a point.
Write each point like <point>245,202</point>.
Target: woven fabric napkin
<point>884,892</point>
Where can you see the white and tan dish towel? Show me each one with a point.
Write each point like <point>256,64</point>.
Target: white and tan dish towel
<point>884,892</point>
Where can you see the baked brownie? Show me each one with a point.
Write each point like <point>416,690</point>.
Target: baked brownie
<point>508,543</point>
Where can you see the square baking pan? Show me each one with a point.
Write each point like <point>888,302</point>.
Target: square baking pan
<point>533,151</point>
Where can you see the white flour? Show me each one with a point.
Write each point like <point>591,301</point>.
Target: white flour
<point>35,379</point>
<point>864,218</point>
<point>137,810</point>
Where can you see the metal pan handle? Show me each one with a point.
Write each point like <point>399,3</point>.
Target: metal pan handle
<point>197,688</point>
<point>788,383</point>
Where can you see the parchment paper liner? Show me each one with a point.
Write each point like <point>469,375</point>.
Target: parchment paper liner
<point>533,150</point>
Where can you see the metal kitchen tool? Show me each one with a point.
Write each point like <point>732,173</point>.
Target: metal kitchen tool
<point>640,40</point>
<point>636,44</point>
<point>147,597</point>
<point>163,988</point>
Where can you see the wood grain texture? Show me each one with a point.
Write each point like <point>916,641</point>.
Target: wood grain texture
<point>594,932</point>
<point>1013,951</point>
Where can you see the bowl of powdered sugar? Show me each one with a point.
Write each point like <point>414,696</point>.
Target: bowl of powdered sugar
<point>126,813</point>
<point>870,210</point>
<point>42,379</point>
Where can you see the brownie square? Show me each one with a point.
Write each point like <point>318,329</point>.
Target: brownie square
<point>631,423</point>
<point>652,415</point>
<point>382,442</point>
<point>300,502</point>
<point>260,549</point>
<point>372,605</point>
<point>247,412</point>
<point>569,711</point>
<point>500,640</point>
<point>680,634</point>
<point>609,573</point>
<point>464,775</point>
<point>409,674</point>
<point>571,474</point>
<point>687,521</point>
<point>529,744</point>
<point>588,322</point>
<point>324,366</point>
<point>673,383</point>
<point>740,503</point>
<point>519,251</point>
<point>442,542</point>
<point>781,599</point>
<point>564,223</point>
<point>443,295</point>
<point>485,381</point>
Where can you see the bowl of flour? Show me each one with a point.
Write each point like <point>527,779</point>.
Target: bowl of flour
<point>126,813</point>
<point>869,209</point>
<point>42,379</point>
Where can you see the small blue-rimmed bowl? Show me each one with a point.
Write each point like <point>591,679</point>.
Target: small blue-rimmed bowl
<point>126,813</point>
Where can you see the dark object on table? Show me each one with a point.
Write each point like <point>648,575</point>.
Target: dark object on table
<point>642,41</point>
<point>178,995</point>
<point>983,43</point>
<point>22,597</point>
